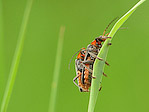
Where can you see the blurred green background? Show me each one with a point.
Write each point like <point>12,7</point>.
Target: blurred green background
<point>125,89</point>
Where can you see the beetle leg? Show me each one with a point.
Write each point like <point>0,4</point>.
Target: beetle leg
<point>74,79</point>
<point>90,70</point>
<point>93,77</point>
<point>88,62</point>
<point>105,37</point>
<point>77,75</point>
<point>104,74</point>
<point>98,58</point>
<point>109,43</point>
<point>100,88</point>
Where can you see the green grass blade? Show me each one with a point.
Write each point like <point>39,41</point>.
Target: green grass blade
<point>2,81</point>
<point>56,70</point>
<point>99,65</point>
<point>16,58</point>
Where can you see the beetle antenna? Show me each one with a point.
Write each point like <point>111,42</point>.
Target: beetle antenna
<point>109,25</point>
<point>72,58</point>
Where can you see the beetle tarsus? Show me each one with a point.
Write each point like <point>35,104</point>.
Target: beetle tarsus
<point>93,77</point>
<point>105,74</point>
<point>109,43</point>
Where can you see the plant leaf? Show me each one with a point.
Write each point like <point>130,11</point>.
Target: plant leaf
<point>99,65</point>
<point>16,58</point>
<point>56,73</point>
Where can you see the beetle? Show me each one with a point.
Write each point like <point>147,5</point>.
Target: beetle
<point>84,65</point>
<point>79,66</point>
<point>85,60</point>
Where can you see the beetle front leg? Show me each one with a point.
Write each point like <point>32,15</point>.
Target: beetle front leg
<point>98,58</point>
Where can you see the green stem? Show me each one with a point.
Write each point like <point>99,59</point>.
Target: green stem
<point>56,71</point>
<point>2,81</point>
<point>99,65</point>
<point>16,58</point>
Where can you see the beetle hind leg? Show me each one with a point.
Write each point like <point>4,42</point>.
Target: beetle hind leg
<point>74,79</point>
<point>100,88</point>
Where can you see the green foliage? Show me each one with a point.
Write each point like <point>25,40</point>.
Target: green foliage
<point>125,89</point>
<point>16,59</point>
<point>1,53</point>
<point>99,65</point>
<point>56,73</point>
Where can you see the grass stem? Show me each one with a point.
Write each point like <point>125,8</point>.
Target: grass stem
<point>2,80</point>
<point>16,58</point>
<point>56,71</point>
<point>99,65</point>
